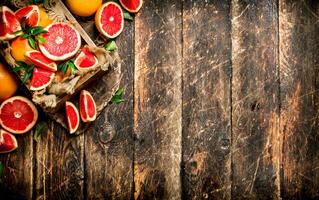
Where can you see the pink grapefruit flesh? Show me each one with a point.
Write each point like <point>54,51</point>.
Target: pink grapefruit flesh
<point>8,142</point>
<point>38,59</point>
<point>18,115</point>
<point>41,79</point>
<point>30,13</point>
<point>73,117</point>
<point>86,60</point>
<point>87,107</point>
<point>61,42</point>
<point>109,20</point>
<point>132,6</point>
<point>9,24</point>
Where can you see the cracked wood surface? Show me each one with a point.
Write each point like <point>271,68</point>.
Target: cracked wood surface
<point>221,103</point>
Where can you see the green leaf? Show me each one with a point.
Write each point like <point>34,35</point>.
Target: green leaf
<point>32,43</point>
<point>72,67</point>
<point>38,30</point>
<point>118,96</point>
<point>38,1</point>
<point>128,16</point>
<point>40,39</point>
<point>64,68</point>
<point>17,32</point>
<point>25,35</point>
<point>26,77</point>
<point>41,128</point>
<point>111,46</point>
<point>22,64</point>
<point>17,69</point>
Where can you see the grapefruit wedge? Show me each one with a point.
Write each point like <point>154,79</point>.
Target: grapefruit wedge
<point>8,142</point>
<point>61,42</point>
<point>39,60</point>
<point>109,20</point>
<point>87,107</point>
<point>18,115</point>
<point>86,60</point>
<point>41,79</point>
<point>9,24</point>
<point>72,115</point>
<point>132,6</point>
<point>30,13</point>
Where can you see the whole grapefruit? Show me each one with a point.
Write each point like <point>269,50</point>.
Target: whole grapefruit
<point>8,83</point>
<point>83,8</point>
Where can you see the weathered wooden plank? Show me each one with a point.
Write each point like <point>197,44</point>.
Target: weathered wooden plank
<point>59,165</point>
<point>17,179</point>
<point>299,72</point>
<point>206,99</point>
<point>255,95</point>
<point>109,142</point>
<point>158,100</point>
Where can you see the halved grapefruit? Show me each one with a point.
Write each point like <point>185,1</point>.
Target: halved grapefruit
<point>61,42</point>
<point>132,6</point>
<point>86,60</point>
<point>72,114</point>
<point>8,142</point>
<point>9,24</point>
<point>109,20</point>
<point>18,115</point>
<point>41,79</point>
<point>87,107</point>
<point>38,59</point>
<point>30,13</point>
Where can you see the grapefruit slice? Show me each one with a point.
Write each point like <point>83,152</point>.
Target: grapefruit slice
<point>39,60</point>
<point>86,60</point>
<point>61,42</point>
<point>132,6</point>
<point>41,78</point>
<point>9,24</point>
<point>109,20</point>
<point>8,142</point>
<point>18,115</point>
<point>87,107</point>
<point>72,114</point>
<point>31,14</point>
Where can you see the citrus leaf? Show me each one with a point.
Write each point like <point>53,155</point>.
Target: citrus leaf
<point>32,43</point>
<point>25,35</point>
<point>41,128</point>
<point>40,39</point>
<point>111,46</point>
<point>22,64</point>
<point>17,69</point>
<point>128,16</point>
<point>118,96</point>
<point>26,77</point>
<point>38,30</point>
<point>17,32</point>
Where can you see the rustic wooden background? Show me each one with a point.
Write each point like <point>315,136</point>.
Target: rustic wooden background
<point>221,103</point>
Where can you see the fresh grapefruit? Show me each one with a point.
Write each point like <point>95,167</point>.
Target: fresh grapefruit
<point>30,13</point>
<point>19,47</point>
<point>18,115</point>
<point>109,20</point>
<point>9,24</point>
<point>45,20</point>
<point>83,8</point>
<point>86,60</point>
<point>8,83</point>
<point>87,107</point>
<point>41,79</point>
<point>61,42</point>
<point>72,114</point>
<point>39,60</point>
<point>132,6</point>
<point>8,142</point>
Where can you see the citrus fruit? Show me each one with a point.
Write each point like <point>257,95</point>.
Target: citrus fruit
<point>19,47</point>
<point>61,42</point>
<point>132,5</point>
<point>44,18</point>
<point>18,115</point>
<point>8,83</point>
<point>30,13</point>
<point>39,60</point>
<point>87,107</point>
<point>109,20</point>
<point>8,142</point>
<point>59,77</point>
<point>41,78</point>
<point>86,60</point>
<point>72,114</point>
<point>83,8</point>
<point>9,24</point>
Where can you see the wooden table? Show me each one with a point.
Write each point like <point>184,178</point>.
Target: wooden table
<point>221,103</point>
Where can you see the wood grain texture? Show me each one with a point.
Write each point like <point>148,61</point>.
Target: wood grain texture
<point>299,64</point>
<point>255,87</point>
<point>206,99</point>
<point>59,165</point>
<point>109,141</point>
<point>158,100</point>
<point>17,180</point>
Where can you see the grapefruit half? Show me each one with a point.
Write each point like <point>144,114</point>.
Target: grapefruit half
<point>132,6</point>
<point>41,79</point>
<point>39,60</point>
<point>72,114</point>
<point>61,42</point>
<point>86,60</point>
<point>109,20</point>
<point>87,107</point>
<point>18,115</point>
<point>8,142</point>
<point>31,14</point>
<point>9,24</point>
